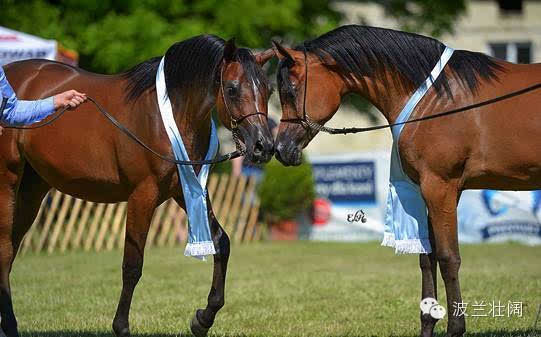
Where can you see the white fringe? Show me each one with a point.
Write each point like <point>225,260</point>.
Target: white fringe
<point>410,246</point>
<point>388,240</point>
<point>200,249</point>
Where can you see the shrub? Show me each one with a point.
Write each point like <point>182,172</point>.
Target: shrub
<point>285,191</point>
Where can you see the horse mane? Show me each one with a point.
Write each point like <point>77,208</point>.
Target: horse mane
<point>190,64</point>
<point>369,51</point>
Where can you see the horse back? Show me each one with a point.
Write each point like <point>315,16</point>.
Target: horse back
<point>495,146</point>
<point>82,153</point>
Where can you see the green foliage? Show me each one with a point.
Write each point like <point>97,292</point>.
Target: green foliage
<point>225,167</point>
<point>286,191</point>
<point>113,35</point>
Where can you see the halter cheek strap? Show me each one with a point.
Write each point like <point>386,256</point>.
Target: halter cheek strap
<point>305,122</point>
<point>235,121</point>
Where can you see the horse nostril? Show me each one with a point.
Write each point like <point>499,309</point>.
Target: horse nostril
<point>258,147</point>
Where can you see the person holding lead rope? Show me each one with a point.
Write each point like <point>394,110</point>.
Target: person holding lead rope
<point>19,112</point>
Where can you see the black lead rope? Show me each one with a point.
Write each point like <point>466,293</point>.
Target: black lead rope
<point>307,123</point>
<point>344,131</point>
<point>235,154</point>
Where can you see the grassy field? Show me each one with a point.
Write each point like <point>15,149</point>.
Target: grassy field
<point>297,289</point>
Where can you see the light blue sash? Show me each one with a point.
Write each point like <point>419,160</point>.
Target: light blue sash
<point>194,188</point>
<point>406,219</point>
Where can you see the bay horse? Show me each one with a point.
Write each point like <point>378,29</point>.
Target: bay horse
<point>495,146</point>
<point>83,155</point>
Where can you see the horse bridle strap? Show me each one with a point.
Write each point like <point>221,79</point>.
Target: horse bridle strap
<point>310,125</point>
<point>232,155</point>
<point>304,121</point>
<point>235,121</point>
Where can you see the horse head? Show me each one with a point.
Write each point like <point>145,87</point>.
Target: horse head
<point>242,99</point>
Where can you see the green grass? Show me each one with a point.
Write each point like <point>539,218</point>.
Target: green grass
<point>296,289</point>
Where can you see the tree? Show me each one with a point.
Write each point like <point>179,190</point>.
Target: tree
<point>113,35</point>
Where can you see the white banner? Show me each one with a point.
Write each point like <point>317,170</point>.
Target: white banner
<point>15,46</point>
<point>349,188</point>
<point>354,187</point>
<point>487,215</point>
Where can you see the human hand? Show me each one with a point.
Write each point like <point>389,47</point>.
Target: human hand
<point>69,99</point>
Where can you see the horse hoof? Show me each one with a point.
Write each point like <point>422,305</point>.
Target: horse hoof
<point>120,330</point>
<point>197,329</point>
<point>122,333</point>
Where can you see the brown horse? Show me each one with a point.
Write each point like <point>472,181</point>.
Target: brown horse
<point>495,146</point>
<point>82,154</point>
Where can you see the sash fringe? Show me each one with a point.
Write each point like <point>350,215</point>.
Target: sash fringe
<point>409,246</point>
<point>199,249</point>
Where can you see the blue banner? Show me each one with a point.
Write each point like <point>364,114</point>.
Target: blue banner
<point>352,181</point>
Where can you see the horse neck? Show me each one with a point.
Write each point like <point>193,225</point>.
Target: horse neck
<point>192,115</point>
<point>384,95</point>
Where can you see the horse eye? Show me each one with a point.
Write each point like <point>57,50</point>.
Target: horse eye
<point>232,91</point>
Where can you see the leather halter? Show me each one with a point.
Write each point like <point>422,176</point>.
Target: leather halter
<point>235,121</point>
<point>302,121</point>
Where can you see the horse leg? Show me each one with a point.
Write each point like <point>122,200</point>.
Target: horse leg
<point>141,206</point>
<point>8,184</point>
<point>203,319</point>
<point>428,264</point>
<point>32,190</point>
<point>442,197</point>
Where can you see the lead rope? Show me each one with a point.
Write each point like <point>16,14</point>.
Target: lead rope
<point>344,131</point>
<point>307,123</point>
<point>232,155</point>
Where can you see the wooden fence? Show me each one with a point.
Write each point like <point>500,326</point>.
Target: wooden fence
<point>66,223</point>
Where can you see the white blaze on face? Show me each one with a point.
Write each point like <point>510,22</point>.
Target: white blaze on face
<point>427,303</point>
<point>256,96</point>
<point>437,312</point>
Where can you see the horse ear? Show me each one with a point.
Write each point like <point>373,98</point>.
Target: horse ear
<point>262,57</point>
<point>230,50</point>
<point>281,52</point>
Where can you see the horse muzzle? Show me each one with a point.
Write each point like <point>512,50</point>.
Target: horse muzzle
<point>259,144</point>
<point>289,154</point>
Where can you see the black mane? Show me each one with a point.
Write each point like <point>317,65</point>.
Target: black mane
<point>368,51</point>
<point>189,64</point>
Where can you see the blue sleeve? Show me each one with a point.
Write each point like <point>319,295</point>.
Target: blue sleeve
<point>18,112</point>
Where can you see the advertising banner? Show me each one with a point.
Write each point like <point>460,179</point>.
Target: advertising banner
<point>487,215</point>
<point>351,199</point>
<point>351,194</point>
<point>15,46</point>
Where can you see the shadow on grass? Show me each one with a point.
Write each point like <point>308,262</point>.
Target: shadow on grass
<point>67,333</point>
<point>498,333</point>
